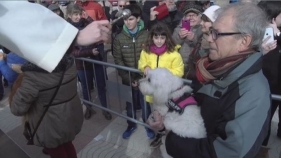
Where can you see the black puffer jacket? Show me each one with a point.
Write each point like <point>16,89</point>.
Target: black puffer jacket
<point>272,68</point>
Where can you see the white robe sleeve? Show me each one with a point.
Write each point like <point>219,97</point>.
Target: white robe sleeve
<point>35,33</point>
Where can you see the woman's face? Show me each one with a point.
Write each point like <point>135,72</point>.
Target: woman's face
<point>278,20</point>
<point>159,40</point>
<point>205,23</point>
<point>194,18</point>
<point>205,26</point>
<point>75,17</point>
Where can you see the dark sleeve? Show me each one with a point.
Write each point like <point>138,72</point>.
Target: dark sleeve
<point>113,14</point>
<point>151,23</point>
<point>77,52</point>
<point>278,38</point>
<point>179,147</point>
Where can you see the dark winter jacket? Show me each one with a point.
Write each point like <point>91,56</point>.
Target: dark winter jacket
<point>272,68</point>
<point>127,49</point>
<point>236,113</point>
<point>64,119</point>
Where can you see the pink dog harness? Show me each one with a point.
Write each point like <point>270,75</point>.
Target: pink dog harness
<point>178,105</point>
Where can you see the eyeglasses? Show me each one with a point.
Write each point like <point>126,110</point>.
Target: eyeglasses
<point>121,6</point>
<point>192,15</point>
<point>215,34</point>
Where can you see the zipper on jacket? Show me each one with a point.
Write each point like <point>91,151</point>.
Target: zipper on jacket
<point>135,55</point>
<point>157,61</point>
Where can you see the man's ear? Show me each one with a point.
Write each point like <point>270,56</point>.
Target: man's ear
<point>245,43</point>
<point>138,19</point>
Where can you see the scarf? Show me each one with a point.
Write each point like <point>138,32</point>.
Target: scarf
<point>158,50</point>
<point>207,70</point>
<point>79,25</point>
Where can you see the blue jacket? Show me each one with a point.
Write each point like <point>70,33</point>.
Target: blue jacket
<point>5,67</point>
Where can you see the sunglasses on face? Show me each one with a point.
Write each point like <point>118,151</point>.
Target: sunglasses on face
<point>121,6</point>
<point>215,34</point>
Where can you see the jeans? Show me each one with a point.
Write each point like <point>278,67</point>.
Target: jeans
<point>100,49</point>
<point>137,98</point>
<point>86,79</point>
<point>100,77</point>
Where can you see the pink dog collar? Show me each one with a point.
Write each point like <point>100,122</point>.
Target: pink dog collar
<point>178,105</point>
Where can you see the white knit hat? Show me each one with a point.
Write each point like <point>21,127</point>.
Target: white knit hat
<point>210,12</point>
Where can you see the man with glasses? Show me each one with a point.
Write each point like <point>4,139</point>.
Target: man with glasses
<point>234,96</point>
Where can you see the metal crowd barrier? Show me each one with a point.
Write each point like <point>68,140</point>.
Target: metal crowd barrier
<point>125,94</point>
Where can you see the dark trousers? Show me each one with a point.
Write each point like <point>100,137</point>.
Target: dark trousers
<point>137,98</point>
<point>66,150</point>
<point>274,105</point>
<point>100,78</point>
<point>86,79</point>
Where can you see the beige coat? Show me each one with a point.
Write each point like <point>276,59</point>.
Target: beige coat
<point>64,118</point>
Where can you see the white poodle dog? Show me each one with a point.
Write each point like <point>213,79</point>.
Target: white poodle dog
<point>171,98</point>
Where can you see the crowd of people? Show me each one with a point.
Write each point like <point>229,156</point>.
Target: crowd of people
<point>233,70</point>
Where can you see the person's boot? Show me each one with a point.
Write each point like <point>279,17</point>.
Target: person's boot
<point>88,114</point>
<point>107,115</point>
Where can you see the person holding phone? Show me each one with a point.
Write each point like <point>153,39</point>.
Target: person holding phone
<point>187,36</point>
<point>202,46</point>
<point>272,59</point>
<point>172,19</point>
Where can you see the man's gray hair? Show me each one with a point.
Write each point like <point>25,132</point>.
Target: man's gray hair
<point>249,19</point>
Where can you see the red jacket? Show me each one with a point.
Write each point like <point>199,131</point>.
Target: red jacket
<point>93,9</point>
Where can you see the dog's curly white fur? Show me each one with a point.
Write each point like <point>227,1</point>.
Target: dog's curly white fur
<point>163,85</point>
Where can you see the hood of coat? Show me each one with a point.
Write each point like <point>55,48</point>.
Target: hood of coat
<point>66,62</point>
<point>140,25</point>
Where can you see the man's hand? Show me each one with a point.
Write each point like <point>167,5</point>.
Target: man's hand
<point>190,35</point>
<point>153,13</point>
<point>95,32</point>
<point>267,47</point>
<point>146,69</point>
<point>155,121</point>
<point>183,33</point>
<point>16,68</point>
<point>2,56</point>
<point>95,51</point>
<point>135,84</point>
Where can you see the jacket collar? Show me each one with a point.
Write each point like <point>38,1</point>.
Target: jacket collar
<point>251,65</point>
